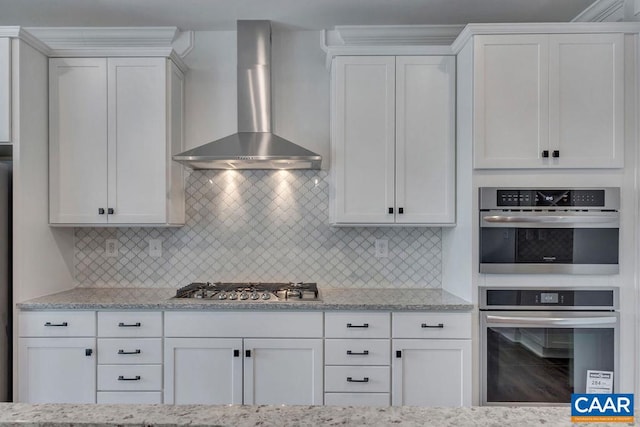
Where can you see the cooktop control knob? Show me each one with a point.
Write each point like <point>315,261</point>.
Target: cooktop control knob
<point>222,295</point>
<point>233,295</point>
<point>266,295</point>
<point>244,295</point>
<point>254,295</point>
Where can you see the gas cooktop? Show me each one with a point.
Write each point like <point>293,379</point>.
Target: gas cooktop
<point>258,292</point>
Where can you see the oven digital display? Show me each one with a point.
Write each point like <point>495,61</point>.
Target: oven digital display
<point>549,298</point>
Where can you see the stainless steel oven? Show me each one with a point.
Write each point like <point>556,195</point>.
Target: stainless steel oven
<point>538,344</point>
<point>549,230</point>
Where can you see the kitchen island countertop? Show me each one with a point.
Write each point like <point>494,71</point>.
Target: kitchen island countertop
<point>203,415</point>
<point>330,299</point>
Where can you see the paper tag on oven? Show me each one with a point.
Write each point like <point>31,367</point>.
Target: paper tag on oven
<point>599,382</point>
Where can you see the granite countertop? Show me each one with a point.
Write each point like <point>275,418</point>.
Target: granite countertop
<point>203,415</point>
<point>330,299</point>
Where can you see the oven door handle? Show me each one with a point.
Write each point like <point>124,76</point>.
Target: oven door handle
<point>549,219</point>
<point>568,322</point>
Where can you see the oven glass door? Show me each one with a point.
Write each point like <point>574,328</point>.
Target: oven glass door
<point>543,357</point>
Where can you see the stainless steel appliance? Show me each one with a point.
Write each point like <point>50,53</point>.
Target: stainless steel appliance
<point>549,230</point>
<point>537,344</point>
<point>258,292</point>
<point>5,274</point>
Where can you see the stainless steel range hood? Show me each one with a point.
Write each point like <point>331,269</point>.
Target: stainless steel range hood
<point>254,146</point>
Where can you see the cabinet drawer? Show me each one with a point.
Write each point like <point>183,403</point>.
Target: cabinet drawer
<point>357,378</point>
<point>129,397</point>
<point>356,399</point>
<point>129,351</point>
<point>431,325</point>
<point>357,325</point>
<point>357,352</point>
<point>129,377</point>
<point>129,324</point>
<point>234,324</point>
<point>57,324</point>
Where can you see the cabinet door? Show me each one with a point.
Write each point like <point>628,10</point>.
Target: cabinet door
<point>5,90</point>
<point>425,139</point>
<point>586,101</point>
<point>283,371</point>
<point>431,373</point>
<point>511,89</point>
<point>137,140</point>
<point>77,140</point>
<point>57,370</point>
<point>363,146</point>
<point>202,371</point>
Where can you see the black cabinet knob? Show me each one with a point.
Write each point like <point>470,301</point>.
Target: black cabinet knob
<point>545,153</point>
<point>247,353</point>
<point>390,210</point>
<point>236,353</point>
<point>401,210</point>
<point>110,211</point>
<point>100,211</point>
<point>556,153</point>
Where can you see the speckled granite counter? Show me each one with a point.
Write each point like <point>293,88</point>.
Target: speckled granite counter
<point>330,299</point>
<point>201,415</point>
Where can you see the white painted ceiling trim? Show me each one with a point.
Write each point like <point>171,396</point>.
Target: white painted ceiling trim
<point>602,11</point>
<point>110,41</point>
<point>543,28</point>
<point>388,40</point>
<point>24,35</point>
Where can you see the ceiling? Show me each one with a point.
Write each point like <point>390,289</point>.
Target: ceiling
<point>292,14</point>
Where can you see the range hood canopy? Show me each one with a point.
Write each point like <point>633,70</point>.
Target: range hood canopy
<point>254,146</point>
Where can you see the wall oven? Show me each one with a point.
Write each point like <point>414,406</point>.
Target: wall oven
<point>538,344</point>
<point>549,230</point>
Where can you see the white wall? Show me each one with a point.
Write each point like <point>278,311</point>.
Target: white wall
<point>300,83</point>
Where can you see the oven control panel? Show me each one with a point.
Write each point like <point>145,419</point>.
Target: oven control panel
<point>545,197</point>
<point>529,298</point>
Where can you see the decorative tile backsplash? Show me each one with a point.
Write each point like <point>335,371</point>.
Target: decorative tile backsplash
<point>259,226</point>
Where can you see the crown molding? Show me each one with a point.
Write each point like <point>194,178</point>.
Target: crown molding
<point>602,11</point>
<point>26,36</point>
<point>543,28</point>
<point>388,40</point>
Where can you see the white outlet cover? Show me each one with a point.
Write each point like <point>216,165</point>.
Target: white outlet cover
<point>382,248</point>
<point>155,248</point>
<point>111,248</point>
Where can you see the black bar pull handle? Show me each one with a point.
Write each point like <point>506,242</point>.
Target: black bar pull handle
<point>136,378</point>
<point>355,353</point>
<point>364,325</point>
<point>439,325</point>
<point>247,353</point>
<point>129,325</point>
<point>63,324</point>
<point>364,380</point>
<point>136,351</point>
<point>545,153</point>
<point>236,353</point>
<point>556,153</point>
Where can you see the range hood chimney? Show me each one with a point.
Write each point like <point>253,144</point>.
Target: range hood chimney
<point>254,146</point>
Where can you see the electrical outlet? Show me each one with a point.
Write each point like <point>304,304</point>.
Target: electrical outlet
<point>155,248</point>
<point>382,248</point>
<point>111,248</point>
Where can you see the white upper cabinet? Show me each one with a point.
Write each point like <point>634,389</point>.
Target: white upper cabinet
<point>5,90</point>
<point>549,100</point>
<point>114,125</point>
<point>393,140</point>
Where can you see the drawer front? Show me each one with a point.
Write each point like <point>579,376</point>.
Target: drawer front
<point>129,397</point>
<point>357,352</point>
<point>129,377</point>
<point>357,325</point>
<point>432,325</point>
<point>113,351</point>
<point>57,323</point>
<point>356,399</point>
<point>129,324</point>
<point>247,324</point>
<point>357,379</point>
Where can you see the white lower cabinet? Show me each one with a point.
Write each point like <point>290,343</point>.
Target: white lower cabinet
<point>57,357</point>
<point>427,368</point>
<point>255,363</point>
